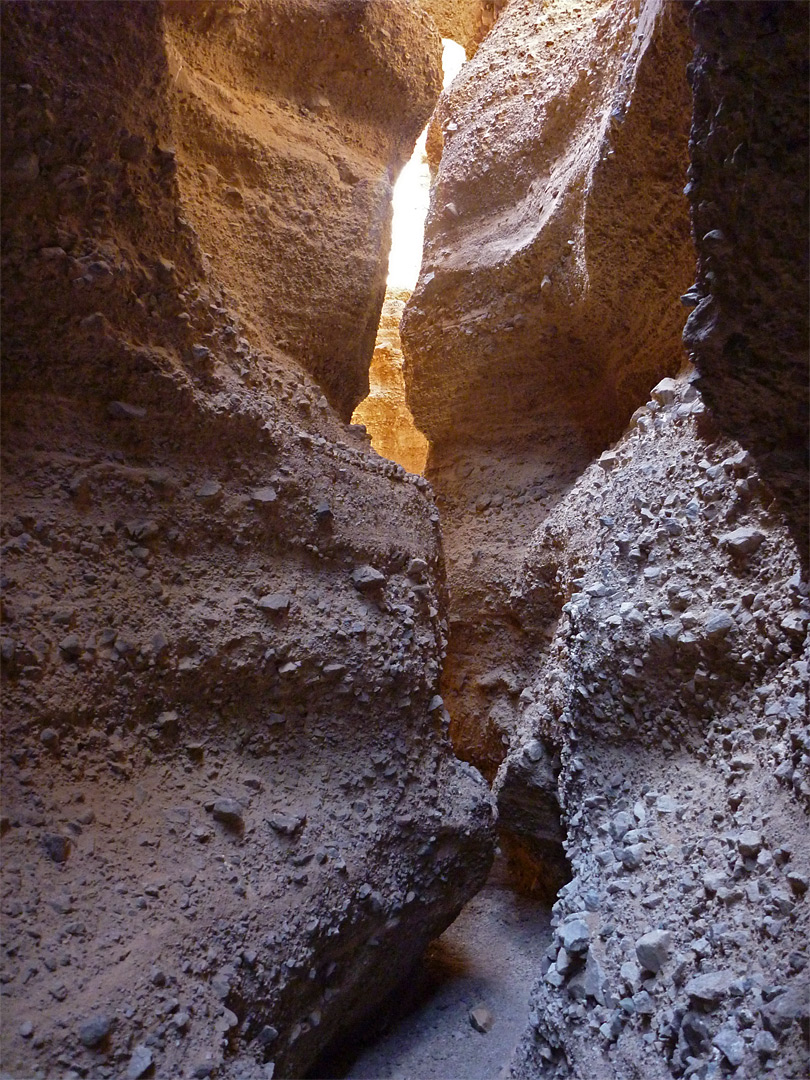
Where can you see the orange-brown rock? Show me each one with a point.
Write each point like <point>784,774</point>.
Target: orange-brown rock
<point>287,151</point>
<point>465,21</point>
<point>385,413</point>
<point>556,246</point>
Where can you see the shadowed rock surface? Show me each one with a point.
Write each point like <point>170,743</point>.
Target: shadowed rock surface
<point>748,333</point>
<point>231,818</point>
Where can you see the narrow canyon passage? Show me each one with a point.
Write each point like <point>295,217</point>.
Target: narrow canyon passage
<point>392,654</point>
<point>481,969</point>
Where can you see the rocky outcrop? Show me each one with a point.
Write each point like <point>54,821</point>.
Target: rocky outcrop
<point>465,21</point>
<point>385,413</point>
<point>748,188</point>
<point>674,692</point>
<point>556,246</point>
<point>286,154</point>
<point>231,817</point>
<point>629,618</point>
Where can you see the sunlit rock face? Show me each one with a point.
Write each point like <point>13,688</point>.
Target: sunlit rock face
<point>231,816</point>
<point>748,188</point>
<point>465,21</point>
<point>287,150</point>
<point>385,411</point>
<point>557,245</point>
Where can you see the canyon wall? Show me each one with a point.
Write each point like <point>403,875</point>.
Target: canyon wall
<point>673,697</point>
<point>748,186</point>
<point>231,817</point>
<point>556,245</point>
<point>628,634</point>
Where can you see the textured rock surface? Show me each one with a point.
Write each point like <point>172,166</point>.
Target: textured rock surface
<point>385,413</point>
<point>556,246</point>
<point>287,151</point>
<point>464,21</point>
<point>231,819</point>
<point>565,165</point>
<point>674,691</point>
<point>748,187</point>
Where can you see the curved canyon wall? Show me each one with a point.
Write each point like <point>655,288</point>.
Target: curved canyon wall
<point>556,245</point>
<point>231,818</point>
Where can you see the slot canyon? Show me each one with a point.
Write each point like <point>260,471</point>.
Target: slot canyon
<point>356,618</point>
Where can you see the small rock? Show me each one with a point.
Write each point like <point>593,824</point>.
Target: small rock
<point>786,1009</point>
<point>749,843</point>
<point>367,578</point>
<point>275,603</point>
<point>798,882</point>
<point>70,647</point>
<point>417,568</point>
<point>711,988</point>
<point>665,392</point>
<point>632,857</point>
<point>481,1019</point>
<point>26,1029</point>
<point>140,1063</point>
<point>742,542</point>
<point>95,1030</point>
<point>230,812</point>
<point>286,824</point>
<point>575,937</point>
<point>209,490</point>
<point>717,625</point>
<point>122,410</point>
<point>731,1045</point>
<point>56,846</point>
<point>765,1044</point>
<point>267,1035</point>
<point>653,949</point>
<point>49,738</point>
<point>665,804</point>
<point>264,496</point>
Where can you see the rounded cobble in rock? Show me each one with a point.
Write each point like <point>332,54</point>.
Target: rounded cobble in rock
<point>95,1030</point>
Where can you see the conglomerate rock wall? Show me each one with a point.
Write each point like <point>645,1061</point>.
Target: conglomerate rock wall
<point>557,243</point>
<point>632,624</point>
<point>231,818</point>
<point>672,705</point>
